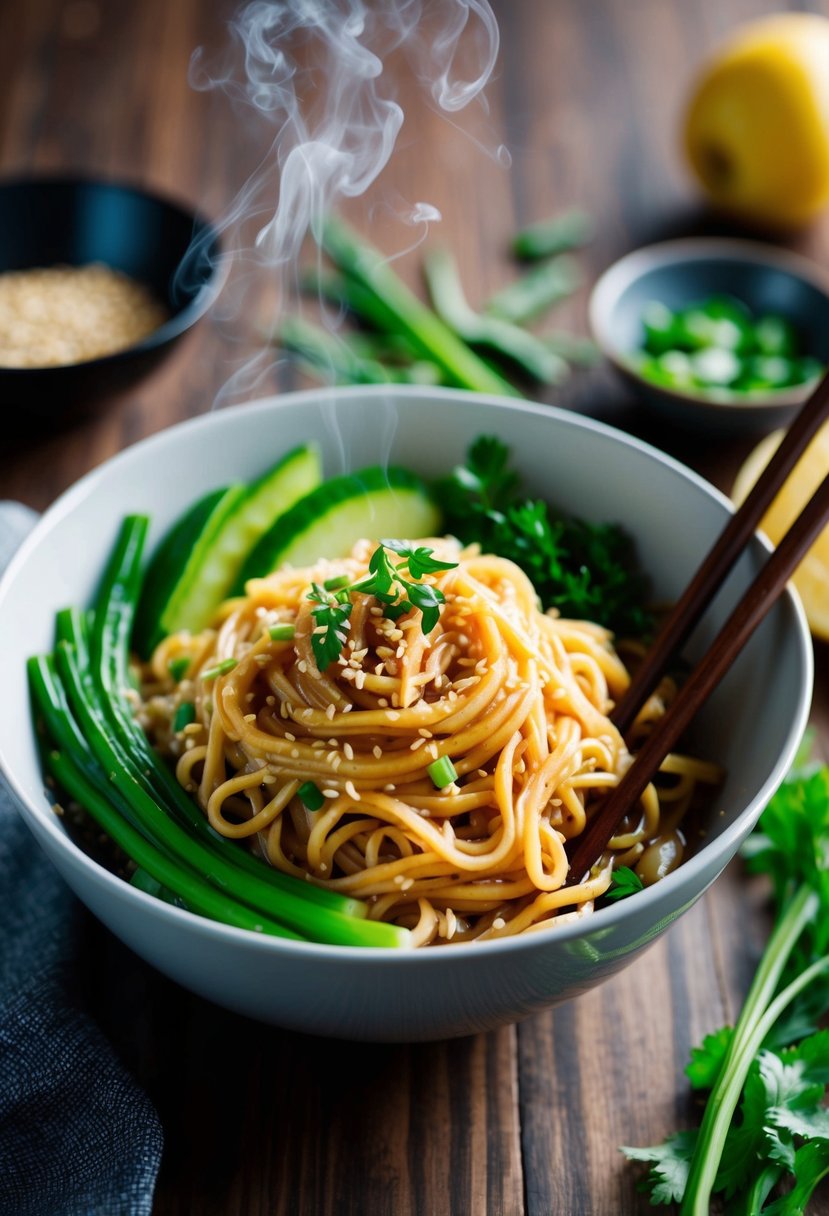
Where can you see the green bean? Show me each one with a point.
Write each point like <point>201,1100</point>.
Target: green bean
<point>406,314</point>
<point>536,291</point>
<point>522,348</point>
<point>362,301</point>
<point>322,352</point>
<point>557,235</point>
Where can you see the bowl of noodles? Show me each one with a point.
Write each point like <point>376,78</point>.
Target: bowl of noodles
<point>399,728</point>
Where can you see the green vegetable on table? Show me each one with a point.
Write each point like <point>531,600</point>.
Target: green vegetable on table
<point>536,291</point>
<point>406,314</point>
<point>587,571</point>
<point>557,235</point>
<point>404,341</point>
<point>717,346</point>
<point>764,1139</point>
<point>518,346</point>
<point>348,361</point>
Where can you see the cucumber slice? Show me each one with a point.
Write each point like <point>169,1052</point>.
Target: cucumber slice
<point>197,563</point>
<point>294,476</point>
<point>176,564</point>
<point>374,503</point>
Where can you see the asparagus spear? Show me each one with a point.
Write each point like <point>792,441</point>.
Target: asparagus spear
<point>351,360</point>
<point>402,310</point>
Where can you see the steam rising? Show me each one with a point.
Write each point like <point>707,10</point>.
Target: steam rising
<point>314,70</point>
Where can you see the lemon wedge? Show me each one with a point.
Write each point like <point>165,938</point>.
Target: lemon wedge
<point>812,575</point>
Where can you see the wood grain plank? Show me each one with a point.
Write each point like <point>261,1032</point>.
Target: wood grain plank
<point>607,1069</point>
<point>261,1121</point>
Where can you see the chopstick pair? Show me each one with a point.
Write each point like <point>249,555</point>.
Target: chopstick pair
<point>728,643</point>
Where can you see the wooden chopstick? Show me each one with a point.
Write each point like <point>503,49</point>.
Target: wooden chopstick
<point>719,562</point>
<point>734,634</point>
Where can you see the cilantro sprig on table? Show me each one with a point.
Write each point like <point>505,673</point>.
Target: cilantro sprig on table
<point>764,1139</point>
<point>385,581</point>
<point>587,571</point>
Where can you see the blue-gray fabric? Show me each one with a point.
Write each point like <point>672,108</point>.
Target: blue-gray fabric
<point>78,1137</point>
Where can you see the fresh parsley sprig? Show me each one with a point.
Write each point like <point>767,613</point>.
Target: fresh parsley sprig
<point>331,618</point>
<point>625,882</point>
<point>386,582</point>
<point>587,571</point>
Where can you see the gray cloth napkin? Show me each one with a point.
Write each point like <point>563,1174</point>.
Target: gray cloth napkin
<point>78,1137</point>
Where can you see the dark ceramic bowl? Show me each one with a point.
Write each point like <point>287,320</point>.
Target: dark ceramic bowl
<point>678,273</point>
<point>174,252</point>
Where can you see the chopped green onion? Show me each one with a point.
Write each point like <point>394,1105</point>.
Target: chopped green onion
<point>311,796</point>
<point>717,365</point>
<point>185,714</point>
<point>775,336</point>
<point>337,583</point>
<point>343,596</point>
<point>179,667</point>
<point>442,772</point>
<point>219,670</point>
<point>282,633</point>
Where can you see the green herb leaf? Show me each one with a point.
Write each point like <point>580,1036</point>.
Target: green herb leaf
<point>429,600</point>
<point>386,583</point>
<point>331,623</point>
<point>666,1180</point>
<point>811,1165</point>
<point>179,667</point>
<point>766,1117</point>
<point>184,715</point>
<point>586,571</point>
<point>625,882</point>
<point>381,577</point>
<point>419,561</point>
<point>707,1060</point>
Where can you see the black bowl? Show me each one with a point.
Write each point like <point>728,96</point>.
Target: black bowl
<point>73,221</point>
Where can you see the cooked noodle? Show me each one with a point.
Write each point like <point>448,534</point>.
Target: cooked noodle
<point>516,698</point>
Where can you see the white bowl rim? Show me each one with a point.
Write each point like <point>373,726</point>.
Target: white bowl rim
<point>627,269</point>
<point>603,918</point>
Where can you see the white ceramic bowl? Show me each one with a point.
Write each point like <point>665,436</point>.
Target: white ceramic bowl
<point>752,725</point>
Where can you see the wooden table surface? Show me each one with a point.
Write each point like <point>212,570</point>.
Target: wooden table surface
<point>527,1119</point>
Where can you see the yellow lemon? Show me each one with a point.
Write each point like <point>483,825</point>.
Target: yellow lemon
<point>757,126</point>
<point>812,575</point>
